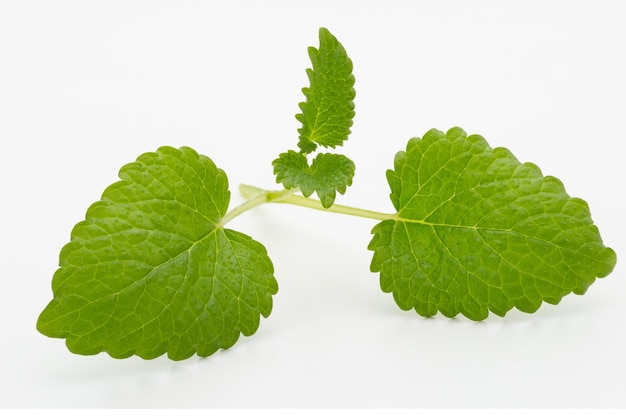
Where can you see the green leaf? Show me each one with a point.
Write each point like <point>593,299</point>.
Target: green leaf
<point>327,174</point>
<point>478,231</point>
<point>329,108</point>
<point>151,270</point>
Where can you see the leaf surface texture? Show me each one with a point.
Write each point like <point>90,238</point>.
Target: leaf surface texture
<point>327,174</point>
<point>478,231</point>
<point>151,270</point>
<point>327,113</point>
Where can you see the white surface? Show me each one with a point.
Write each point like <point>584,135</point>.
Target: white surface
<point>87,86</point>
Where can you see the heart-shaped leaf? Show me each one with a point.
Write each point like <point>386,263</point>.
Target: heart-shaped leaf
<point>478,231</point>
<point>151,269</point>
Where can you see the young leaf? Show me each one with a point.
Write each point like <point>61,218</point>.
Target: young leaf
<point>327,174</point>
<point>329,108</point>
<point>477,231</point>
<point>151,270</point>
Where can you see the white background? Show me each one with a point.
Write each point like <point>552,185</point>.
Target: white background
<point>88,86</point>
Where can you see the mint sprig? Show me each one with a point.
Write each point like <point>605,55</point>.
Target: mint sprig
<point>326,119</point>
<point>153,269</point>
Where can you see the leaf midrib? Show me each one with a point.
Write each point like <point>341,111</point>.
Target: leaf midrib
<point>491,229</point>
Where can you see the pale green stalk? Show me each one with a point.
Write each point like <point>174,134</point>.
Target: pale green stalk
<point>256,196</point>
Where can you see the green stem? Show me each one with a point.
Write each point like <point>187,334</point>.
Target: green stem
<point>256,196</point>
<point>298,200</point>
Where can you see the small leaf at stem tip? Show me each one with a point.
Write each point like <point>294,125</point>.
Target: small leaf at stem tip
<point>478,231</point>
<point>151,271</point>
<point>327,113</point>
<point>327,174</point>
